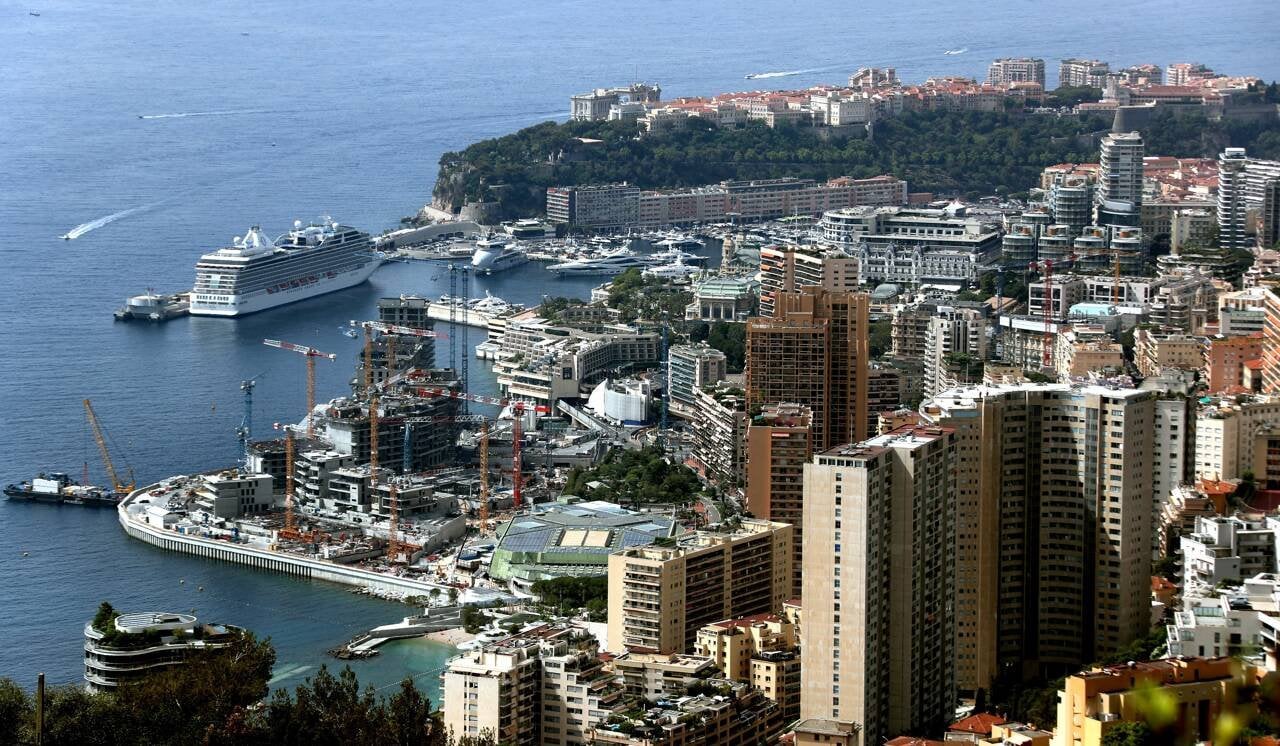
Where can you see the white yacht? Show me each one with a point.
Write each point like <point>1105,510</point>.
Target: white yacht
<point>675,271</point>
<point>679,241</point>
<point>672,256</point>
<point>608,264</point>
<point>495,254</point>
<point>254,273</point>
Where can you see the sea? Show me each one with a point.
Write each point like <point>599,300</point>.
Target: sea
<point>157,130</point>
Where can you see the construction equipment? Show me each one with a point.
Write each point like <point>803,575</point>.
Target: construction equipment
<point>1046,353</point>
<point>120,486</point>
<point>311,354</point>
<point>518,408</point>
<point>245,432</point>
<point>460,366</point>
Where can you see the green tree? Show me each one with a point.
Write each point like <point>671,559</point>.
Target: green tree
<point>1129,734</point>
<point>16,710</point>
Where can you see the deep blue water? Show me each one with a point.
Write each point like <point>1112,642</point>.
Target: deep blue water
<point>292,110</point>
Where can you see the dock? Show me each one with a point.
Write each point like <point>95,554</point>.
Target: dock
<point>152,306</point>
<point>366,645</point>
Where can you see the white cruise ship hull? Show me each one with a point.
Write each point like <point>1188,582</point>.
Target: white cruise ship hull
<point>242,305</point>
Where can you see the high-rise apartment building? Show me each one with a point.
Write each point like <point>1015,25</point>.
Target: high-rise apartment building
<point>1248,199</point>
<point>879,631</point>
<point>1077,73</point>
<point>689,369</point>
<point>813,352</point>
<point>660,596</point>
<point>789,268</point>
<point>1054,517</point>
<point>779,444</point>
<point>1008,70</point>
<point>1118,199</point>
<point>955,345</point>
<point>546,685</point>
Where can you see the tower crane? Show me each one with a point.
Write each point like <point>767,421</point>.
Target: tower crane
<point>120,486</point>
<point>518,408</point>
<point>371,391</point>
<point>1046,352</point>
<point>291,530</point>
<point>311,354</point>
<point>245,432</point>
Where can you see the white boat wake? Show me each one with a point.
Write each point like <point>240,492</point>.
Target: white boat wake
<point>223,113</point>
<point>288,672</point>
<point>94,225</point>
<point>789,73</point>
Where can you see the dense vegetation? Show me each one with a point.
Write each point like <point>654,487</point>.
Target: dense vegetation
<point>635,477</point>
<point>638,297</point>
<point>947,152</point>
<point>567,595</point>
<point>220,697</point>
<point>725,336</point>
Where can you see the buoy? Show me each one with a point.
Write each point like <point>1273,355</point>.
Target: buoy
<point>181,581</point>
<point>26,554</point>
<point>200,588</point>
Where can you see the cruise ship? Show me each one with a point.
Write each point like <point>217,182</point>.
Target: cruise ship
<point>254,273</point>
<point>495,254</point>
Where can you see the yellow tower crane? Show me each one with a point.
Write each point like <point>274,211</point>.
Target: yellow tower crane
<point>119,485</point>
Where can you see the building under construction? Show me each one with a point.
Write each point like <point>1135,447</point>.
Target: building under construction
<point>415,433</point>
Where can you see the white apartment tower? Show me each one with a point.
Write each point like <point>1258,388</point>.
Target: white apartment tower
<point>1008,70</point>
<point>1118,199</point>
<point>955,340</point>
<point>1246,189</point>
<point>878,573</point>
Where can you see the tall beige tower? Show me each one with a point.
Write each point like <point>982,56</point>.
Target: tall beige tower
<point>1053,525</point>
<point>878,574</point>
<point>779,444</point>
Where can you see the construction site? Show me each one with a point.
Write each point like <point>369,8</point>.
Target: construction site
<point>381,488</point>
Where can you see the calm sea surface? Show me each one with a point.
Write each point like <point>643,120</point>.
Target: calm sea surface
<point>177,125</point>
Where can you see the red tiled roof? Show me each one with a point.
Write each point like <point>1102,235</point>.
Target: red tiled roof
<point>980,723</point>
<point>1161,584</point>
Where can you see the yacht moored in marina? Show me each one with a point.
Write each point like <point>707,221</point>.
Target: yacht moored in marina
<point>496,254</point>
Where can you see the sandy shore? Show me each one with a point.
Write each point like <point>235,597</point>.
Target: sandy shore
<point>455,636</point>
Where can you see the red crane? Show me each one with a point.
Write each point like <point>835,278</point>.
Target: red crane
<point>311,354</point>
<point>518,408</point>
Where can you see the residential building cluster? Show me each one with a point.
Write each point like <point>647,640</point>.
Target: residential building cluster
<point>975,505</point>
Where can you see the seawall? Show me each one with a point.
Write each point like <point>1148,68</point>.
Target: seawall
<point>265,559</point>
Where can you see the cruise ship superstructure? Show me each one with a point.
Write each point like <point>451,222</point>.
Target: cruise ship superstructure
<point>254,273</point>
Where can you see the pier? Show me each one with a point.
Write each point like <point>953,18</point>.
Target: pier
<point>137,527</point>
